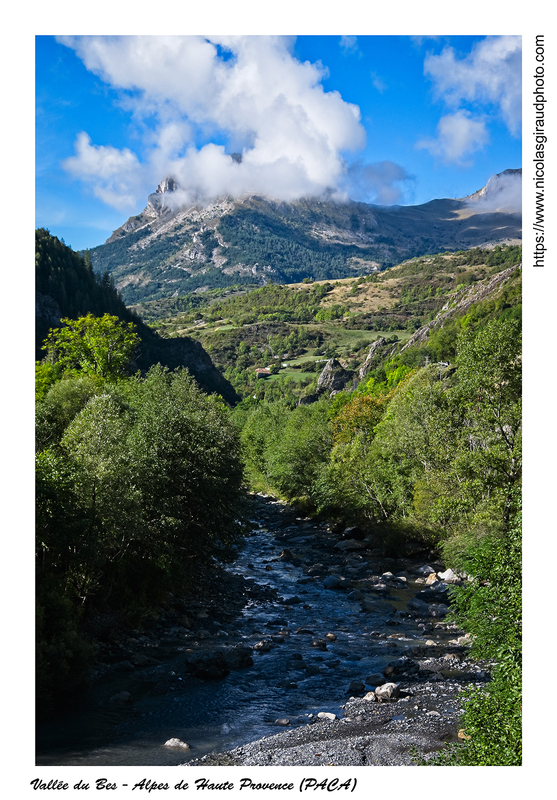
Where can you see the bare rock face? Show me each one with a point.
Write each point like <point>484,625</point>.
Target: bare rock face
<point>156,204</point>
<point>462,300</point>
<point>377,351</point>
<point>334,377</point>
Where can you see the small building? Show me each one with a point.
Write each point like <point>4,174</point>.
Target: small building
<point>262,373</point>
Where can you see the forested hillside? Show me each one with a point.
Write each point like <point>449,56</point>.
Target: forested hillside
<point>68,287</point>
<point>418,307</point>
<point>169,250</point>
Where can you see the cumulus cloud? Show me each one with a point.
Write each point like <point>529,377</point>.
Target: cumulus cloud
<point>112,172</point>
<point>248,90</point>
<point>490,74</point>
<point>485,84</point>
<point>458,135</point>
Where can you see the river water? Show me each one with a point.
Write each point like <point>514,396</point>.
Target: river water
<point>294,680</point>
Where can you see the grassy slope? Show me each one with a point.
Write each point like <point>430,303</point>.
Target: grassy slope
<point>394,302</point>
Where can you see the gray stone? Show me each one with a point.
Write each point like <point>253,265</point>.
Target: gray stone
<point>333,377</point>
<point>449,576</point>
<point>425,571</point>
<point>326,715</point>
<point>350,544</point>
<point>291,601</point>
<point>388,691</point>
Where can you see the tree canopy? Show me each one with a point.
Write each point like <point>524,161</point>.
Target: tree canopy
<point>102,346</point>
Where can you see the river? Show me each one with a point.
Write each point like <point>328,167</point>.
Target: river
<point>301,675</point>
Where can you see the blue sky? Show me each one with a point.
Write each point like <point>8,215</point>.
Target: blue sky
<point>383,119</point>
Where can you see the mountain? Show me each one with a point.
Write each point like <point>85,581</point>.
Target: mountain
<point>66,286</point>
<point>169,249</point>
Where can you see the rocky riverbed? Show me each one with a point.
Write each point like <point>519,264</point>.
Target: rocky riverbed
<point>312,649</point>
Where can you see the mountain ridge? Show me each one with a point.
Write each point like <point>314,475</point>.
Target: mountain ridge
<point>169,249</point>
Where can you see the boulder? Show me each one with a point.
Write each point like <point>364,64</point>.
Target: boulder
<point>141,660</point>
<point>238,657</point>
<point>177,743</point>
<point>438,610</point>
<point>415,604</point>
<point>263,646</point>
<point>291,601</point>
<point>123,666</point>
<point>356,687</point>
<point>449,576</point>
<point>388,691</point>
<point>326,715</point>
<point>354,532</point>
<point>121,698</point>
<point>350,544</point>
<point>402,664</point>
<point>424,571</point>
<point>207,665</point>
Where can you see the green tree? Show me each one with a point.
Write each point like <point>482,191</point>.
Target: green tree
<point>490,608</point>
<point>186,461</point>
<point>101,346</point>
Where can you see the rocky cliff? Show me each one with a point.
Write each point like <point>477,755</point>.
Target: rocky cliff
<point>171,249</point>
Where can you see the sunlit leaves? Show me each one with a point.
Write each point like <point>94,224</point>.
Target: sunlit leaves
<point>101,346</point>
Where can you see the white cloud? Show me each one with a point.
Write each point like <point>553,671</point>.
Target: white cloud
<point>491,74</point>
<point>458,135</point>
<point>349,45</point>
<point>268,105</point>
<point>113,172</point>
<point>378,82</point>
<point>502,192</point>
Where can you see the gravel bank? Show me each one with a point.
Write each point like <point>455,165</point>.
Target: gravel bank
<point>392,733</point>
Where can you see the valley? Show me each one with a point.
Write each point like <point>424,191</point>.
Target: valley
<point>383,408</point>
<point>295,329</point>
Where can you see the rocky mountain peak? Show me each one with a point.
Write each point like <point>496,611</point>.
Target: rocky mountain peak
<point>503,191</point>
<point>167,185</point>
<point>156,203</point>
